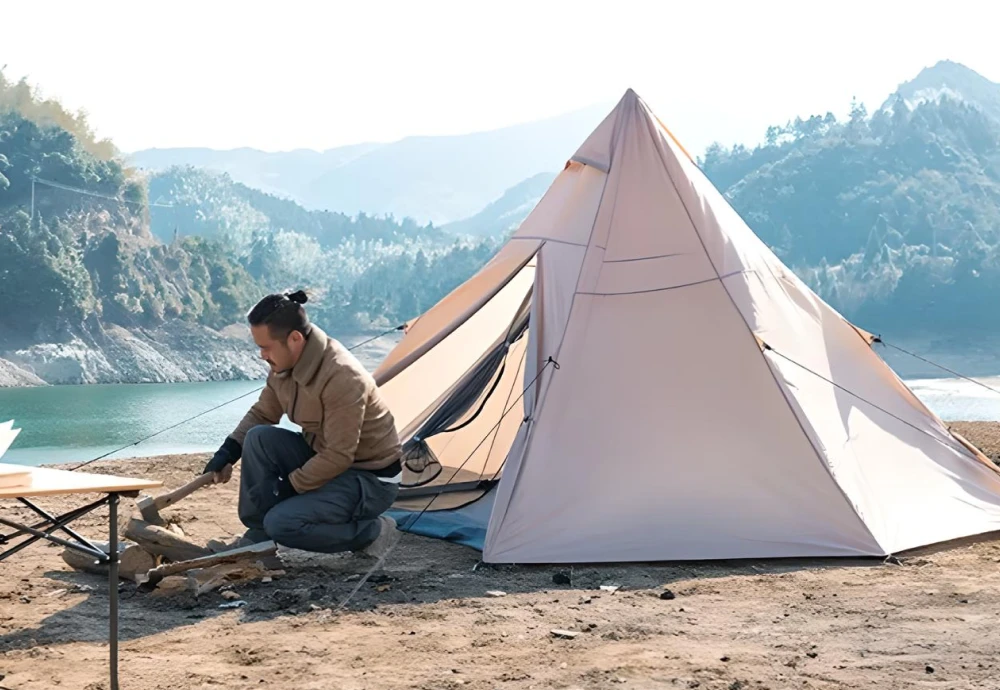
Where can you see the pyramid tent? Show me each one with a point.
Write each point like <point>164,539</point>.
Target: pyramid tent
<point>635,376</point>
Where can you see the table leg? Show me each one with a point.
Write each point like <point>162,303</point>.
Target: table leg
<point>113,587</point>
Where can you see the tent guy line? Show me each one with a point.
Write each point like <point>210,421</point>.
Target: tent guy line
<point>878,339</point>
<point>955,446</point>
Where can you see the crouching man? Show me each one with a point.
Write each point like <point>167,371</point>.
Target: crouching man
<point>324,489</point>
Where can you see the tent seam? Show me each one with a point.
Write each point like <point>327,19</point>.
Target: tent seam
<point>784,395</point>
<point>669,287</point>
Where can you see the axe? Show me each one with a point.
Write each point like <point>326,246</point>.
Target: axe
<point>150,507</point>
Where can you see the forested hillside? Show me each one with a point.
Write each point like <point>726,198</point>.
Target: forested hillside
<point>893,218</point>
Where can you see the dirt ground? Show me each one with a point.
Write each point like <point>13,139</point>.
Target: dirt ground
<point>427,619</point>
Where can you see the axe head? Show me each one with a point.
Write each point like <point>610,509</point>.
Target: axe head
<point>150,513</point>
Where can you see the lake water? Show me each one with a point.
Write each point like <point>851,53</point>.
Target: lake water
<point>69,424</point>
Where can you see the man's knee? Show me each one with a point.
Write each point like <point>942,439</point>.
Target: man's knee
<point>259,440</point>
<point>281,526</point>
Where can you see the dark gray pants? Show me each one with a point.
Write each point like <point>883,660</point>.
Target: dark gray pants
<point>341,515</point>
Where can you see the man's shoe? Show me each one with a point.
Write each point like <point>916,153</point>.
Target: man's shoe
<point>387,537</point>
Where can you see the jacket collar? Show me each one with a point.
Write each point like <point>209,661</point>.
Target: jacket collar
<point>312,357</point>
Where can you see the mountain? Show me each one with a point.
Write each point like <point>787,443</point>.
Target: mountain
<point>111,276</point>
<point>951,80</point>
<point>128,275</point>
<point>429,179</point>
<point>506,213</point>
<point>893,219</point>
<point>280,173</point>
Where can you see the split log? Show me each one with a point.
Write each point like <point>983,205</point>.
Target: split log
<point>215,576</point>
<point>160,541</point>
<point>132,560</point>
<point>247,553</point>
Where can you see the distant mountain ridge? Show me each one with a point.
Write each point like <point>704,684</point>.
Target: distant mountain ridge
<point>506,213</point>
<point>952,80</point>
<point>439,179</point>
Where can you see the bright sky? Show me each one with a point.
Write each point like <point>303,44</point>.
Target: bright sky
<point>311,74</point>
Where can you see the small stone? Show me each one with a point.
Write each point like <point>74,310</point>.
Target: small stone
<point>562,578</point>
<point>230,595</point>
<point>724,659</point>
<point>928,669</point>
<point>610,588</point>
<point>667,595</point>
<point>565,634</point>
<point>496,593</point>
<point>812,655</point>
<point>563,665</point>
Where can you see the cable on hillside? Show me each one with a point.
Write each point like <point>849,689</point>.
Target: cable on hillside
<point>213,409</point>
<point>382,559</point>
<point>85,192</point>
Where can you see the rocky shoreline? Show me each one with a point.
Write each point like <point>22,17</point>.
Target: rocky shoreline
<point>173,353</point>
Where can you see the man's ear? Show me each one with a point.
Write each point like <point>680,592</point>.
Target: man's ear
<point>296,338</point>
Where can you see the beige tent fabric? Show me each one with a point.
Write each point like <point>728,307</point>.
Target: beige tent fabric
<point>412,392</point>
<point>478,450</point>
<point>661,353</point>
<point>454,310</point>
<point>641,452</point>
<point>704,402</point>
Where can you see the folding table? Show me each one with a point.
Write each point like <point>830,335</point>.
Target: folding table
<point>40,482</point>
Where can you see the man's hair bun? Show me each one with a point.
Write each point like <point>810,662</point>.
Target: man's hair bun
<point>299,297</point>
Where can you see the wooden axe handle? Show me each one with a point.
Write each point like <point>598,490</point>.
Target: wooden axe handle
<point>168,499</point>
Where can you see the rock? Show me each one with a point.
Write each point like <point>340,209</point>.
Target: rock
<point>812,655</point>
<point>13,376</point>
<point>174,352</point>
<point>239,603</point>
<point>610,588</point>
<point>724,659</point>
<point>928,669</point>
<point>564,634</point>
<point>667,595</point>
<point>562,578</point>
<point>230,595</point>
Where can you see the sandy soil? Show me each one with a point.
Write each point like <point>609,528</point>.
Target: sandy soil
<point>427,620</point>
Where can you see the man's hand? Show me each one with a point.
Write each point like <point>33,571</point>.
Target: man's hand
<point>224,476</point>
<point>221,464</point>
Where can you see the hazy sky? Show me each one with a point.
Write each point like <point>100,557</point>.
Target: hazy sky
<point>282,75</point>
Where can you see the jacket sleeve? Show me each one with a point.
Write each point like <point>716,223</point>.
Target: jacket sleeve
<point>344,400</point>
<point>267,410</point>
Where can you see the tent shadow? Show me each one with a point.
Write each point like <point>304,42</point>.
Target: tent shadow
<point>420,572</point>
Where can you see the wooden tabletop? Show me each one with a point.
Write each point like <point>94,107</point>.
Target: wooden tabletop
<point>42,481</point>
